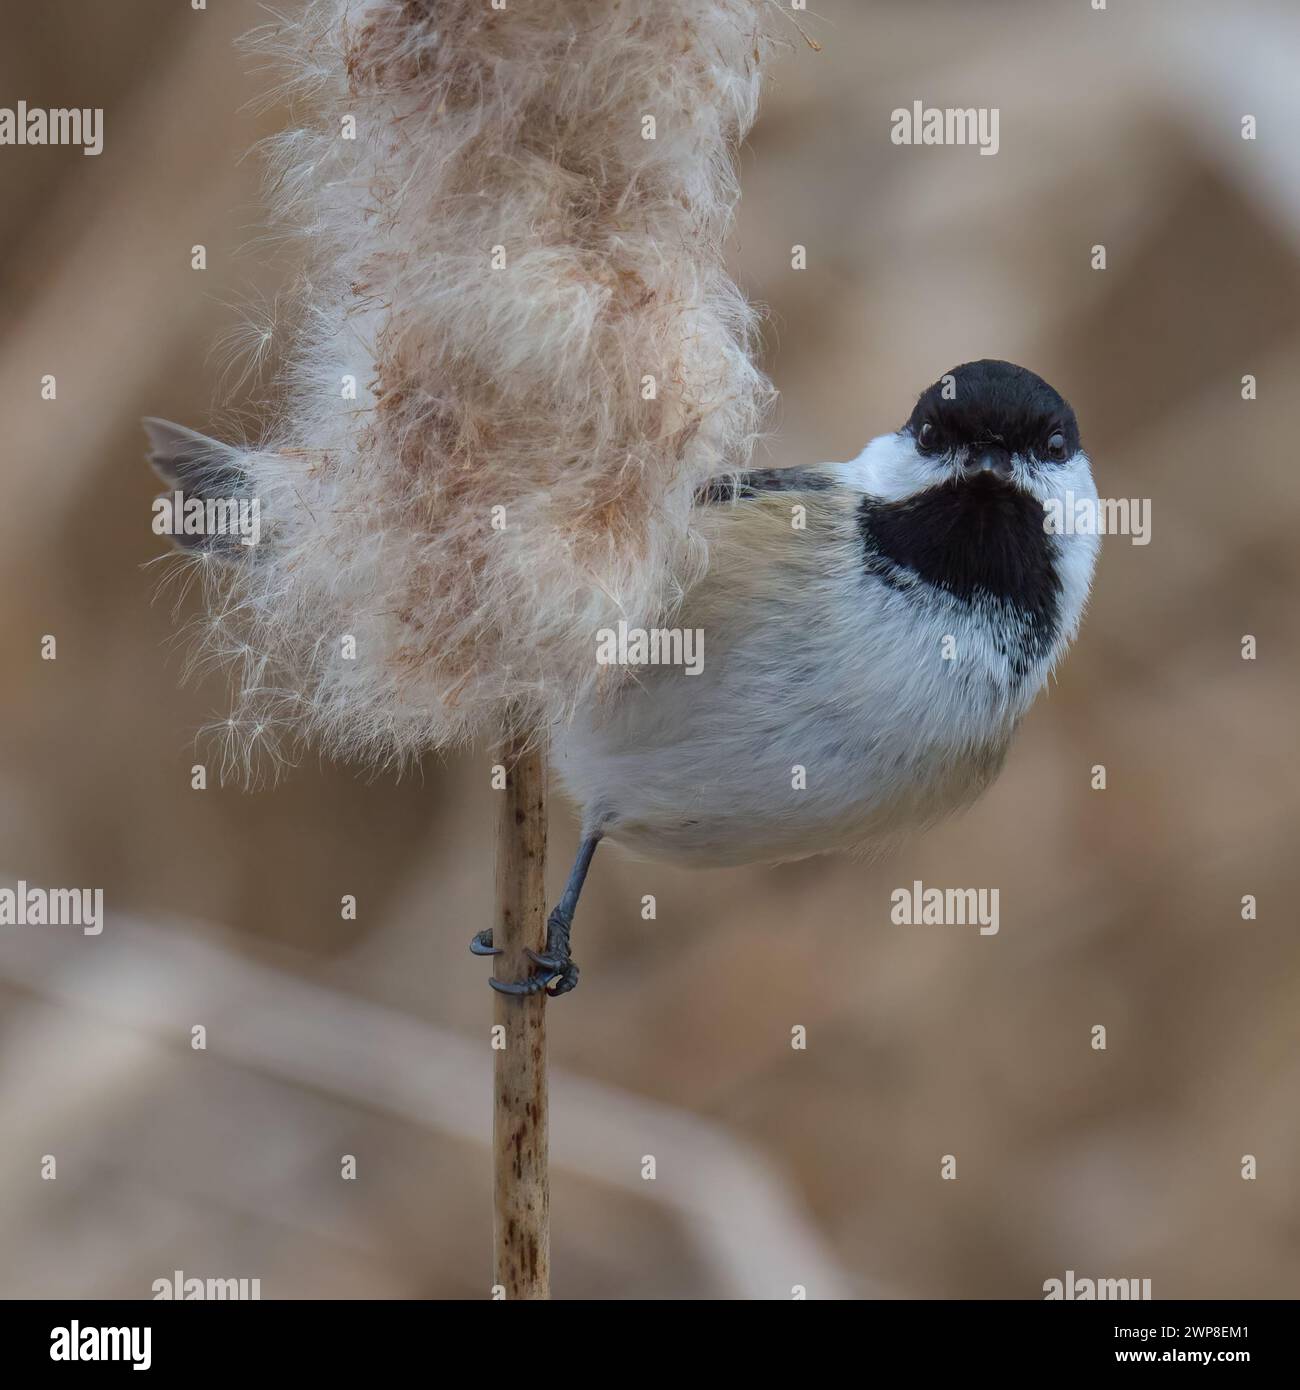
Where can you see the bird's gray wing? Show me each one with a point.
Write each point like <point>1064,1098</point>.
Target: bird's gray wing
<point>757,481</point>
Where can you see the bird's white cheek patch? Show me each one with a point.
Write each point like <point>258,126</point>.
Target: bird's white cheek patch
<point>891,468</point>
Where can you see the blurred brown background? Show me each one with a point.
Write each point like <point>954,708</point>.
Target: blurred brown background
<point>776,1167</point>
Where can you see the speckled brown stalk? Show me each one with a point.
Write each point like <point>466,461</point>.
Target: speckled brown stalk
<point>521,1184</point>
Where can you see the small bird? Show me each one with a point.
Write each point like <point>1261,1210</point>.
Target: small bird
<point>872,633</point>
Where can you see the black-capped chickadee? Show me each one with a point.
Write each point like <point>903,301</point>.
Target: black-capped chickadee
<point>872,632</point>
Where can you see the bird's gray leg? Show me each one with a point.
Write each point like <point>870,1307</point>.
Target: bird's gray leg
<point>557,974</point>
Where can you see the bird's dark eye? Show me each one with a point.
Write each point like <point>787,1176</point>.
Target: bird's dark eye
<point>927,437</point>
<point>1056,445</point>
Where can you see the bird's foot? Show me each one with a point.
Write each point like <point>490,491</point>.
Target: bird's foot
<point>556,972</point>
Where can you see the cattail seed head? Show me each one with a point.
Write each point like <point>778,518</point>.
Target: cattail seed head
<point>471,477</point>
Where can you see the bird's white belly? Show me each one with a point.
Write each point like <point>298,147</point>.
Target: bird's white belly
<point>794,741</point>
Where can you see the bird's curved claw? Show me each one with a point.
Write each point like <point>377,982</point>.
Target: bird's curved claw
<point>534,984</point>
<point>566,980</point>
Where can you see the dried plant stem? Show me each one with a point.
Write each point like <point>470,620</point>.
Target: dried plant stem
<point>521,1182</point>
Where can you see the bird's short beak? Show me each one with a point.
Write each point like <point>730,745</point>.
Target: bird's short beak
<point>990,460</point>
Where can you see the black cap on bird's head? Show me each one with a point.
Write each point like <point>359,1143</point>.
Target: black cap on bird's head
<point>985,414</point>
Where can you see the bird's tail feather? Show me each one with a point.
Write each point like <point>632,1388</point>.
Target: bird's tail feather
<point>198,467</point>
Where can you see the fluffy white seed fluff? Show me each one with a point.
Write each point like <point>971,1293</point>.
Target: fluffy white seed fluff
<point>499,259</point>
